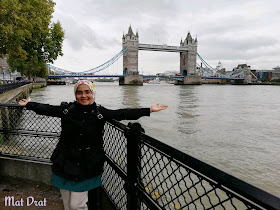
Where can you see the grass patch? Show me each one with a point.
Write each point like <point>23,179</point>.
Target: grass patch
<point>37,87</point>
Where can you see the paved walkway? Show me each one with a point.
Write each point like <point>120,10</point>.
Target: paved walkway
<point>47,197</point>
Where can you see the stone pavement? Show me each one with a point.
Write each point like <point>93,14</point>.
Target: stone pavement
<point>24,192</point>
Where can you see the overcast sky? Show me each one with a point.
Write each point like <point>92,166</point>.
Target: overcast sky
<point>233,32</point>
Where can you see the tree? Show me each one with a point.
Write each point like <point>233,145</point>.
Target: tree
<point>28,36</point>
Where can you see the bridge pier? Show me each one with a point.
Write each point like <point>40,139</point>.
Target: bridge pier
<point>131,80</point>
<point>214,81</point>
<point>190,80</point>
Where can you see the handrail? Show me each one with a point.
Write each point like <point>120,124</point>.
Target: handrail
<point>210,173</point>
<point>11,86</point>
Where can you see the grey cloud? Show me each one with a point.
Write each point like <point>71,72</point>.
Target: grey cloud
<point>154,34</point>
<point>226,30</point>
<point>242,40</point>
<point>79,35</point>
<point>108,9</point>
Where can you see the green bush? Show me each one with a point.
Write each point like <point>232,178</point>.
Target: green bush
<point>264,79</point>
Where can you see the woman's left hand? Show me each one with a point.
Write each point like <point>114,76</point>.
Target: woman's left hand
<point>157,107</point>
<point>23,102</point>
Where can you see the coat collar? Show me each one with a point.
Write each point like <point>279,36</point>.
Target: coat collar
<point>87,107</point>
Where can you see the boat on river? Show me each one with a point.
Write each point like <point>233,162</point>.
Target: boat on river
<point>154,81</point>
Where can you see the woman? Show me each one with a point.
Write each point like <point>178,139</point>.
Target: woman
<point>79,156</point>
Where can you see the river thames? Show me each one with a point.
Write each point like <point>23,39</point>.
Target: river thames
<point>233,128</point>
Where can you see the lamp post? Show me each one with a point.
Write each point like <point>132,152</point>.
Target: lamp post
<point>3,68</point>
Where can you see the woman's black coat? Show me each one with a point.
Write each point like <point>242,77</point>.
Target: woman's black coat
<point>79,155</point>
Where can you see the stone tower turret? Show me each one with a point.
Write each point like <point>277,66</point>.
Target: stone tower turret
<point>130,57</point>
<point>188,58</point>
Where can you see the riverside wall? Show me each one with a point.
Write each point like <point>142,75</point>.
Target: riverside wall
<point>13,96</point>
<point>25,170</point>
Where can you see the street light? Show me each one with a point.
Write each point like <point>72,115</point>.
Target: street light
<point>3,72</point>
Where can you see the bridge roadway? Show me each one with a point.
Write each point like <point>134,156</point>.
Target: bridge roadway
<point>144,77</point>
<point>165,48</point>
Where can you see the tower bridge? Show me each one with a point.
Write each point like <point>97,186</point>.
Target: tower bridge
<point>187,50</point>
<point>190,71</point>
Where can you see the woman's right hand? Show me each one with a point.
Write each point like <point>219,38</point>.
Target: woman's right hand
<point>23,102</point>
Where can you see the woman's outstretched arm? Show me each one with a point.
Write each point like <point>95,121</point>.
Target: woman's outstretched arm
<point>42,109</point>
<point>131,114</point>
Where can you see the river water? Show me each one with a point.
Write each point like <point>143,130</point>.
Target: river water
<point>233,128</point>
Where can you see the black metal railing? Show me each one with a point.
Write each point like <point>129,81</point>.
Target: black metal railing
<point>26,135</point>
<point>11,86</point>
<point>140,172</point>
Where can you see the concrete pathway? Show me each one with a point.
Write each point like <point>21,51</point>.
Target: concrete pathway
<point>24,193</point>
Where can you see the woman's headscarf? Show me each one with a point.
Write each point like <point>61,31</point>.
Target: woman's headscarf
<point>85,82</point>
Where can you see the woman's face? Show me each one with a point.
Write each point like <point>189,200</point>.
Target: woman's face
<point>83,95</point>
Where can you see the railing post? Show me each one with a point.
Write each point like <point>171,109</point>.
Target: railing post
<point>5,124</point>
<point>133,166</point>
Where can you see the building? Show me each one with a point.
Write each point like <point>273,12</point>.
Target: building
<point>245,71</point>
<point>170,73</point>
<point>269,74</point>
<point>275,75</point>
<point>5,72</point>
<point>221,68</point>
<point>4,67</point>
<point>242,67</point>
<point>264,74</point>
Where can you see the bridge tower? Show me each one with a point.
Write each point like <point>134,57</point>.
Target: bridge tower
<point>188,61</point>
<point>188,58</point>
<point>130,59</point>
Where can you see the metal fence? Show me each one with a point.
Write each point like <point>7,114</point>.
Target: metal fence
<point>140,172</point>
<point>11,86</point>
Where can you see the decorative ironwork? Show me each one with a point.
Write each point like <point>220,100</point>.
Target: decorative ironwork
<point>140,172</point>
